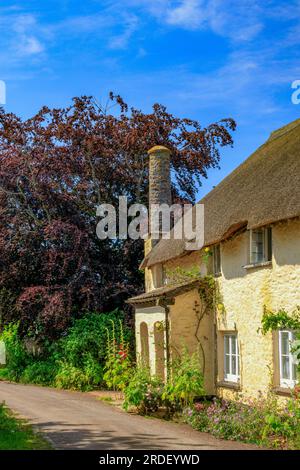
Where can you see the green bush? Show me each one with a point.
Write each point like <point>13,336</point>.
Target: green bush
<point>17,357</point>
<point>143,391</point>
<point>185,382</point>
<point>76,361</point>
<point>89,376</point>
<point>148,393</point>
<point>70,377</point>
<point>88,336</point>
<point>40,372</point>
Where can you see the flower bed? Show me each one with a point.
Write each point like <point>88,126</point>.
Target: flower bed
<point>261,421</point>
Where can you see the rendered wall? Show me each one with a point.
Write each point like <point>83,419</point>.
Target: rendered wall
<point>150,316</point>
<point>184,322</point>
<point>243,293</point>
<point>246,291</point>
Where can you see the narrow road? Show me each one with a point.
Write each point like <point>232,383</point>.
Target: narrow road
<point>74,420</point>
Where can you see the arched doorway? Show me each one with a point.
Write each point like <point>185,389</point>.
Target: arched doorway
<point>144,338</point>
<point>159,340</point>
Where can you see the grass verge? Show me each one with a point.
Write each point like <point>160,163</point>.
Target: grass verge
<point>16,434</point>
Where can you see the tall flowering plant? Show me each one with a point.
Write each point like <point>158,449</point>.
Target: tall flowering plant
<point>118,363</point>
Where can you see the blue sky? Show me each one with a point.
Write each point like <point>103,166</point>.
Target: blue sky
<point>205,59</point>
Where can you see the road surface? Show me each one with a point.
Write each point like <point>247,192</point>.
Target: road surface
<point>74,420</point>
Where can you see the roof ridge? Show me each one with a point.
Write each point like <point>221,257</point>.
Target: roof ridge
<point>284,130</point>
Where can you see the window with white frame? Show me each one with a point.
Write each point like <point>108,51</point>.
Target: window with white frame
<point>287,361</point>
<point>261,245</point>
<point>217,259</point>
<point>231,358</point>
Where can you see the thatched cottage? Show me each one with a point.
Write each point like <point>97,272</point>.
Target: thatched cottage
<point>252,232</point>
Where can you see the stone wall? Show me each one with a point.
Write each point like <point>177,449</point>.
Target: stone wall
<point>159,193</point>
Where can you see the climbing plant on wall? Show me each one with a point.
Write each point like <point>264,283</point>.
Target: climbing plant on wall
<point>282,320</point>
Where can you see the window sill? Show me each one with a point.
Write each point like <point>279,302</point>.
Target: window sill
<point>258,265</point>
<point>231,385</point>
<point>282,391</point>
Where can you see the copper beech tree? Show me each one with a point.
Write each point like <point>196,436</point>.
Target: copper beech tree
<point>55,168</point>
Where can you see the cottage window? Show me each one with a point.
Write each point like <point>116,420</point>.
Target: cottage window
<point>261,245</point>
<point>217,259</point>
<point>287,361</point>
<point>231,358</point>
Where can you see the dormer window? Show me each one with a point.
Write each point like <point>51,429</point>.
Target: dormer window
<point>260,245</point>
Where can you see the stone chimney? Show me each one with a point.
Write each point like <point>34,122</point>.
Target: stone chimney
<point>159,183</point>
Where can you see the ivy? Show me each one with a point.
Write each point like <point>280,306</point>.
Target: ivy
<point>272,321</point>
<point>281,320</point>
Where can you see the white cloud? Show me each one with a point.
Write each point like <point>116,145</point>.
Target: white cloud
<point>21,23</point>
<point>29,45</point>
<point>190,14</point>
<point>22,38</point>
<point>121,41</point>
<point>238,20</point>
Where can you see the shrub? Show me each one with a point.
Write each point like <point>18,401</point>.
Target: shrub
<point>17,357</point>
<point>185,382</point>
<point>147,393</point>
<point>75,361</point>
<point>88,337</point>
<point>40,372</point>
<point>70,377</point>
<point>89,376</point>
<point>143,391</point>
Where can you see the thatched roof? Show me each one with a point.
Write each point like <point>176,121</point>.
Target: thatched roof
<point>165,293</point>
<point>262,190</point>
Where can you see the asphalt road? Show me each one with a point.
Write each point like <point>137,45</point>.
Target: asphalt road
<point>74,420</point>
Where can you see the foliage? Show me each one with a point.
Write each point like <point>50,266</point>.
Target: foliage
<point>55,168</point>
<point>280,320</point>
<point>118,365</point>
<point>148,393</point>
<point>39,372</point>
<point>143,391</point>
<point>206,255</point>
<point>185,381</point>
<point>88,336</point>
<point>16,355</point>
<point>70,377</point>
<point>75,361</point>
<point>261,421</point>
<point>16,435</point>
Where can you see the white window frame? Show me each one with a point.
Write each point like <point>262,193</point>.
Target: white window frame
<point>290,382</point>
<point>266,248</point>
<point>229,376</point>
<point>217,272</point>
